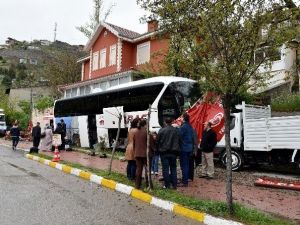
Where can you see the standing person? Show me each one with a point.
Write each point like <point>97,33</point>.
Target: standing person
<point>46,144</point>
<point>59,131</point>
<point>63,133</point>
<point>155,158</point>
<point>140,152</point>
<point>36,135</point>
<point>129,154</point>
<point>187,147</point>
<point>193,158</point>
<point>208,143</point>
<point>168,145</point>
<point>15,135</point>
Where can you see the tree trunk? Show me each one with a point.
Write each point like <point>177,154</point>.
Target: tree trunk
<point>115,144</point>
<point>148,167</point>
<point>226,105</point>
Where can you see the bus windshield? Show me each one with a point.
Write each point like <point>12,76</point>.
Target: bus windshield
<point>178,97</point>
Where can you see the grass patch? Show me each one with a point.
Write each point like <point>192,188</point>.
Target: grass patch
<point>286,103</point>
<point>242,213</point>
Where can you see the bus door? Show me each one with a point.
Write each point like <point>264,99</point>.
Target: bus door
<point>92,130</point>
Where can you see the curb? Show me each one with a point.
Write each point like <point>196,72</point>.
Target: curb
<point>175,208</point>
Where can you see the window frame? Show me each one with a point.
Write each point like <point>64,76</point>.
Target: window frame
<point>140,46</point>
<point>102,63</point>
<point>113,57</point>
<point>95,64</point>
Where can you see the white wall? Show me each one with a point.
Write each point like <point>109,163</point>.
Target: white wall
<point>83,131</point>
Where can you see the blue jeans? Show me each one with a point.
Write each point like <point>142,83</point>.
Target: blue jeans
<point>169,165</point>
<point>131,169</point>
<point>154,166</point>
<point>185,166</point>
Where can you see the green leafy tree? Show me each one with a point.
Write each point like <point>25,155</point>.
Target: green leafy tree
<point>99,14</point>
<point>25,106</point>
<point>63,70</point>
<point>44,103</point>
<point>216,41</point>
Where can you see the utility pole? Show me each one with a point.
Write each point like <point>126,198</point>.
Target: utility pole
<point>55,30</point>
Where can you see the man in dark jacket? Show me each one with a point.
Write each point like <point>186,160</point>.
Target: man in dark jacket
<point>36,135</point>
<point>208,143</point>
<point>168,145</point>
<point>187,147</point>
<point>15,135</point>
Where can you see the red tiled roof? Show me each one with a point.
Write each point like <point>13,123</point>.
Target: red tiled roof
<point>124,32</point>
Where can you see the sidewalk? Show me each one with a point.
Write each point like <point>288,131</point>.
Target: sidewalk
<point>274,201</point>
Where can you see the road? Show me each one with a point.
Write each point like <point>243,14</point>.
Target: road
<point>34,194</point>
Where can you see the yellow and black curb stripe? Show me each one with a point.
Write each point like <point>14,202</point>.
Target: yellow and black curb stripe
<point>137,194</point>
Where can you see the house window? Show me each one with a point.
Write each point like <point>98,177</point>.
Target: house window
<point>104,85</point>
<point>112,55</point>
<point>103,58</point>
<point>81,90</point>
<point>95,60</point>
<point>68,93</point>
<point>113,82</point>
<point>87,90</point>
<point>267,53</point>
<point>143,53</point>
<point>74,92</point>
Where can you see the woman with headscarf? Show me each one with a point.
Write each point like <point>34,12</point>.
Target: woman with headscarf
<point>46,144</point>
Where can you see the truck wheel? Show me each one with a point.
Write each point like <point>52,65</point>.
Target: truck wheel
<point>237,160</point>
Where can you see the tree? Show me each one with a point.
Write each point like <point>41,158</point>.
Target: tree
<point>99,14</point>
<point>64,69</point>
<point>44,103</point>
<point>216,41</point>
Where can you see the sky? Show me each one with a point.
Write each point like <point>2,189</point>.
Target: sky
<point>35,19</point>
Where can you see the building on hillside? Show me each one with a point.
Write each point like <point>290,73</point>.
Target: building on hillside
<point>10,41</point>
<point>116,56</point>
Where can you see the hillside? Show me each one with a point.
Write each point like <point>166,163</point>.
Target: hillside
<point>23,62</point>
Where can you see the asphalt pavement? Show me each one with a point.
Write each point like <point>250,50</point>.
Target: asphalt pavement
<point>34,194</point>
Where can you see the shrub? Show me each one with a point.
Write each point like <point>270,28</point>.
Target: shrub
<point>286,103</point>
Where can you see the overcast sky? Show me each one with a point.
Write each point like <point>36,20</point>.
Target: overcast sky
<point>35,19</point>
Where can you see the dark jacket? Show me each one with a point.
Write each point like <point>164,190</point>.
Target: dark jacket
<point>168,140</point>
<point>209,141</point>
<point>187,137</point>
<point>15,131</point>
<point>36,132</point>
<point>140,143</point>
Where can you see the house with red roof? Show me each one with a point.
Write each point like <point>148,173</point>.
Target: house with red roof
<point>117,55</point>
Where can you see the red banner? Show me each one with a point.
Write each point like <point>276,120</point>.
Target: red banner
<point>209,109</point>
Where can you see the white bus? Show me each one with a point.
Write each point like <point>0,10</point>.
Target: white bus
<point>3,126</point>
<point>97,112</point>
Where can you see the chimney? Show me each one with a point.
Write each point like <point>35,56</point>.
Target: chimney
<point>152,25</point>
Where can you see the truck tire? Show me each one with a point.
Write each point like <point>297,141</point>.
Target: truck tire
<point>237,160</point>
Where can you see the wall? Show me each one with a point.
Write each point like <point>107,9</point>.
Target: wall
<point>104,41</point>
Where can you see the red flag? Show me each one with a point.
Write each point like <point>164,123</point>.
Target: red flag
<point>209,109</point>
